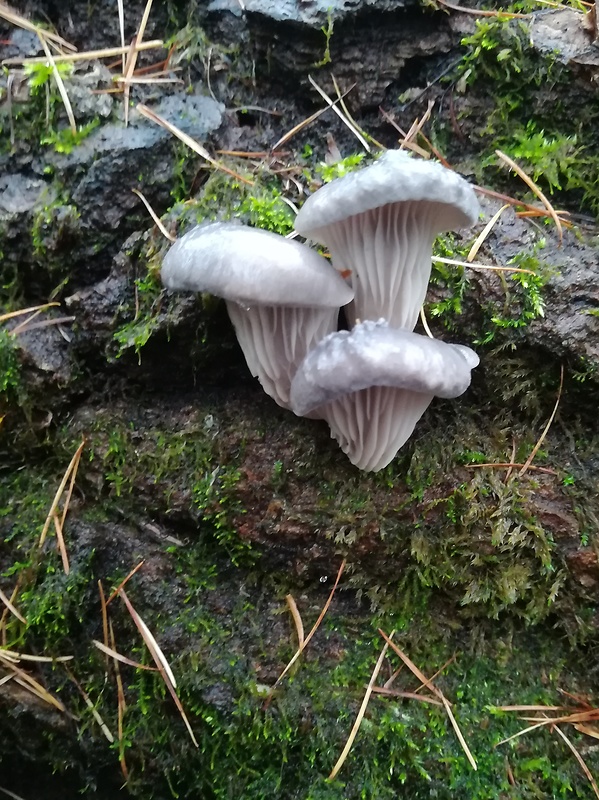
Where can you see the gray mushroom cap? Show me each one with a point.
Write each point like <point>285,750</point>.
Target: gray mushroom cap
<point>396,177</point>
<point>251,267</point>
<point>374,354</point>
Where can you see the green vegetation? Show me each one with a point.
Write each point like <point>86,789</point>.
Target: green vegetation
<point>227,636</point>
<point>327,31</point>
<point>338,169</point>
<point>510,303</point>
<point>9,365</point>
<point>528,116</point>
<point>149,311</point>
<point>54,223</point>
<point>136,332</point>
<point>65,140</point>
<point>41,74</point>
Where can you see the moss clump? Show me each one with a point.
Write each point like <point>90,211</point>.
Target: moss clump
<point>492,549</point>
<point>9,366</point>
<point>54,226</point>
<point>525,111</point>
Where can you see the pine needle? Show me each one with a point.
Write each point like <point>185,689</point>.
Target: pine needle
<point>8,793</point>
<point>60,543</point>
<point>16,19</point>
<point>95,713</point>
<point>71,470</point>
<point>580,760</point>
<point>485,232</point>
<point>30,684</point>
<point>340,98</point>
<point>131,59</point>
<point>160,661</point>
<point>458,733</point>
<point>437,692</point>
<point>6,612</point>
<point>124,581</point>
<point>412,667</point>
<point>155,217</point>
<point>59,83</point>
<point>477,12</point>
<point>23,311</point>
<point>16,657</point>
<point>304,123</point>
<point>122,31</point>
<point>299,625</point>
<point>121,708</point>
<point>537,446</point>
<point>356,726</point>
<point>104,613</point>
<point>510,465</point>
<point>331,103</point>
<point>513,201</point>
<point>315,627</point>
<point>424,322</point>
<point>406,695</point>
<point>109,651</point>
<point>13,610</point>
<point>87,55</point>
<point>529,708</point>
<point>191,143</point>
<point>417,126</point>
<point>534,188</point>
<point>454,262</point>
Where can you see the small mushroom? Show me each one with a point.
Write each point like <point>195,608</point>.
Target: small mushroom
<point>379,224</point>
<point>373,383</point>
<point>281,296</point>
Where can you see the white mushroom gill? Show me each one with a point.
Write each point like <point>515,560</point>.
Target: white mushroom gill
<point>379,224</point>
<point>373,383</point>
<point>280,338</point>
<point>372,425</point>
<point>385,254</point>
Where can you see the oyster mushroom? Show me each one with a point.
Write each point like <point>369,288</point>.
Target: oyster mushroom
<point>379,224</point>
<point>281,296</point>
<point>373,383</point>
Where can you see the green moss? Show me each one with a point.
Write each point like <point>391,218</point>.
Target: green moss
<point>528,115</point>
<point>9,366</point>
<point>490,548</point>
<point>64,140</point>
<point>136,332</point>
<point>327,31</point>
<point>501,314</point>
<point>53,226</point>
<point>450,279</point>
<point>338,169</point>
<point>222,622</point>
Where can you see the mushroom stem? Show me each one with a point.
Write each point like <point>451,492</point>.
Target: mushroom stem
<point>388,253</point>
<point>373,424</point>
<point>276,339</point>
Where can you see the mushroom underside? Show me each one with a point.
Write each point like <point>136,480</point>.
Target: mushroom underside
<point>371,425</point>
<point>387,252</point>
<point>276,339</point>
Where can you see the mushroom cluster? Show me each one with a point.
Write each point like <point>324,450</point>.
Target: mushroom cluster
<point>371,383</point>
